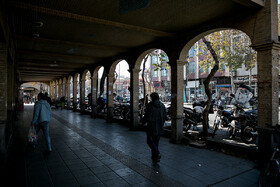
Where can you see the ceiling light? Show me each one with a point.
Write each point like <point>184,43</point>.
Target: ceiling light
<point>35,35</point>
<point>37,24</point>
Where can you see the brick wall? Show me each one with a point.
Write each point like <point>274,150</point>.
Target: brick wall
<point>3,82</point>
<point>3,101</point>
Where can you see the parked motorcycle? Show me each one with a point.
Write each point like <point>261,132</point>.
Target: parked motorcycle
<point>235,124</point>
<point>240,118</point>
<point>193,116</point>
<point>249,132</point>
<point>270,176</point>
<point>222,119</point>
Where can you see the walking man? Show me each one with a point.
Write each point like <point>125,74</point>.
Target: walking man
<point>155,116</point>
<point>41,118</point>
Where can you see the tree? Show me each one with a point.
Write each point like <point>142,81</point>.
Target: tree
<point>102,83</point>
<point>205,111</point>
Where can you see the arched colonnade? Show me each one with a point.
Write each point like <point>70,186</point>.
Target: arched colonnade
<point>261,27</point>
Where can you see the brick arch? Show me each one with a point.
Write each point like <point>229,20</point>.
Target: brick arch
<point>95,71</point>
<point>64,81</point>
<point>69,79</point>
<point>113,66</point>
<point>85,73</point>
<point>76,76</point>
<point>185,50</point>
<point>142,56</point>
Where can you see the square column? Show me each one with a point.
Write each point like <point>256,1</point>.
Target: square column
<point>75,93</point>
<point>177,101</point>
<point>268,102</point>
<point>266,43</point>
<point>134,98</point>
<point>68,95</point>
<point>110,98</point>
<point>93,96</point>
<point>82,95</point>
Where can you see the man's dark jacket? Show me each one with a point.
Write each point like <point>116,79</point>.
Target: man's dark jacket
<point>155,117</point>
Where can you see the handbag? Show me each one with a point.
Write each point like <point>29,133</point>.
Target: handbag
<point>32,136</point>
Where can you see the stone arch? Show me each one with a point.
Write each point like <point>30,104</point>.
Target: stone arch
<point>69,79</point>
<point>85,73</point>
<point>95,71</point>
<point>185,50</point>
<point>141,57</point>
<point>76,75</point>
<point>113,66</point>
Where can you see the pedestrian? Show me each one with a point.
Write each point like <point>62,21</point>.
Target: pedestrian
<point>41,118</point>
<point>48,99</point>
<point>155,116</point>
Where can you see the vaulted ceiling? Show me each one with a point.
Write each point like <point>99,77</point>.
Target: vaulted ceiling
<point>56,38</point>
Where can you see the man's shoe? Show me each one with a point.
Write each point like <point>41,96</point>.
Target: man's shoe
<point>47,152</point>
<point>159,156</point>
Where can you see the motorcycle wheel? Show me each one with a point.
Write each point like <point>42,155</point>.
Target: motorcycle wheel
<point>187,125</point>
<point>117,112</point>
<point>232,132</point>
<point>270,177</point>
<point>215,128</point>
<point>246,135</point>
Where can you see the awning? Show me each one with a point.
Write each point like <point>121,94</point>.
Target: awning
<point>223,85</point>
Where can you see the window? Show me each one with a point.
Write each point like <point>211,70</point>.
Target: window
<point>154,73</point>
<point>223,67</point>
<point>192,52</point>
<point>192,67</point>
<point>154,59</point>
<point>164,72</point>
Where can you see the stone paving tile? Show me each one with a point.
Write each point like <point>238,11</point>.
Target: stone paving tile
<point>124,172</point>
<point>82,173</point>
<point>73,162</point>
<point>63,169</point>
<point>93,163</point>
<point>64,179</point>
<point>107,175</point>
<point>85,180</point>
<point>116,182</point>
<point>99,184</point>
<point>134,179</point>
<point>100,169</point>
<point>75,167</point>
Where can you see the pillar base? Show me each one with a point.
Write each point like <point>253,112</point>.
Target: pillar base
<point>93,111</point>
<point>265,145</point>
<point>134,123</point>
<point>68,105</point>
<point>74,107</point>
<point>3,149</point>
<point>176,129</point>
<point>110,111</point>
<point>83,108</point>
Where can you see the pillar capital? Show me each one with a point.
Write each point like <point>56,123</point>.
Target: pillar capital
<point>266,46</point>
<point>110,76</point>
<point>136,70</point>
<point>180,63</point>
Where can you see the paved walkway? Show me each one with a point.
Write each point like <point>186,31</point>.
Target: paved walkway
<point>91,152</point>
